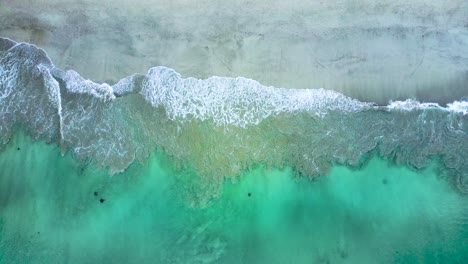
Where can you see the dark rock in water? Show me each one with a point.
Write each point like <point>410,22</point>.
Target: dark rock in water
<point>102,200</point>
<point>18,149</point>
<point>249,194</point>
<point>96,193</point>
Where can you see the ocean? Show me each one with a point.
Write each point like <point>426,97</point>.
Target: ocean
<point>236,132</point>
<point>163,169</point>
<point>58,210</point>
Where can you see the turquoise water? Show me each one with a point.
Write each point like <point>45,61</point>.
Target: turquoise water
<point>51,212</point>
<point>164,169</point>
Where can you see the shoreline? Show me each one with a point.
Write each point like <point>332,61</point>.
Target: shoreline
<point>363,50</point>
<point>404,104</point>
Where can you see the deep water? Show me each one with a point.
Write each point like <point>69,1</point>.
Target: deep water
<point>54,209</point>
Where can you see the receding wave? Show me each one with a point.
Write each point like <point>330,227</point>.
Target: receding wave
<point>219,126</point>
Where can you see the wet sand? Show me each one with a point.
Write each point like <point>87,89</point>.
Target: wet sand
<point>54,207</point>
<point>370,51</point>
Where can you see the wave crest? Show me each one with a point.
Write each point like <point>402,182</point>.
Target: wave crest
<point>237,101</point>
<point>219,126</point>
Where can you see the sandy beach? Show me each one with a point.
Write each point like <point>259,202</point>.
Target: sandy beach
<point>370,51</point>
<point>160,168</point>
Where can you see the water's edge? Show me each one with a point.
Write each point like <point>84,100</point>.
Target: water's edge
<point>219,126</point>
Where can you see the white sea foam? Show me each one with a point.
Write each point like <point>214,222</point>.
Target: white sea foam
<point>238,101</point>
<point>8,74</point>
<point>411,105</point>
<point>126,85</point>
<point>459,107</point>
<point>77,84</point>
<point>7,80</point>
<point>53,90</point>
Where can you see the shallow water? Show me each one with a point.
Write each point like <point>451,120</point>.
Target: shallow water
<point>379,214</point>
<point>176,165</point>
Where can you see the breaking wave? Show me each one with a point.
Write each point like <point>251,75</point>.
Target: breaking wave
<point>219,126</point>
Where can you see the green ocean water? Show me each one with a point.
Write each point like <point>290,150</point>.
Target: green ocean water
<point>51,212</point>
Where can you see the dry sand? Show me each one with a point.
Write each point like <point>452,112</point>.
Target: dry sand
<point>367,50</point>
